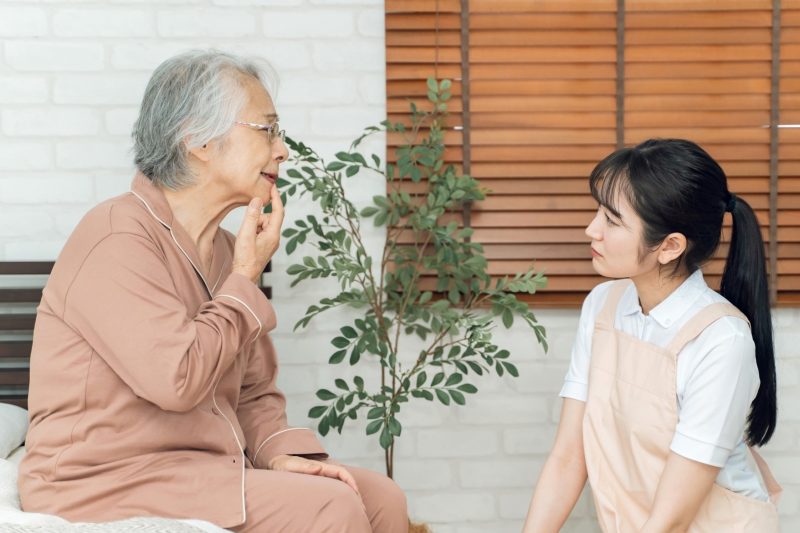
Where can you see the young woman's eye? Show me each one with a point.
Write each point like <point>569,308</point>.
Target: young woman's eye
<point>610,222</point>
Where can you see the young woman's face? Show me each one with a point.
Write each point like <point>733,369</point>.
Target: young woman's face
<point>617,243</point>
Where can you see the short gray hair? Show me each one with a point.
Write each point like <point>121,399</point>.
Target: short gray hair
<point>191,99</point>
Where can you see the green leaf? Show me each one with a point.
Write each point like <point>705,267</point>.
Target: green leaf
<point>358,381</point>
<point>421,377</point>
<point>385,439</point>
<point>317,411</point>
<point>369,211</point>
<point>453,295</point>
<point>443,397</point>
<point>352,171</point>
<point>337,357</point>
<point>432,85</point>
<point>340,342</point>
<point>453,379</point>
<point>512,369</point>
<point>375,412</point>
<point>355,355</point>
<point>324,426</point>
<point>508,318</point>
<point>438,378</point>
<point>295,269</point>
<point>469,388</point>
<point>342,384</point>
<point>349,332</point>
<point>325,395</point>
<point>394,427</point>
<point>457,397</point>
<point>336,165</point>
<point>374,426</point>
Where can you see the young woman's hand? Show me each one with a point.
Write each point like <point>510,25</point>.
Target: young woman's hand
<point>301,465</point>
<point>259,237</point>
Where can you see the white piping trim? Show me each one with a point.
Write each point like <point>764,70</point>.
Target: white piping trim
<point>238,443</point>
<point>199,273</point>
<point>248,308</point>
<point>255,456</point>
<point>219,277</point>
<point>214,392</point>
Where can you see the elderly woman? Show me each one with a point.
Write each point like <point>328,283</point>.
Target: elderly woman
<point>152,374</point>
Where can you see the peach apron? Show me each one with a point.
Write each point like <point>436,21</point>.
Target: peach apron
<point>630,420</point>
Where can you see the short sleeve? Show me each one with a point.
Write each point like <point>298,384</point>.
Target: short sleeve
<point>576,382</point>
<point>717,395</point>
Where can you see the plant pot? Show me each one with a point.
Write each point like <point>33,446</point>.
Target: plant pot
<point>414,527</point>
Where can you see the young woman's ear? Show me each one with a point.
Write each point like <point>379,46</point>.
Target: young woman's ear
<point>672,247</point>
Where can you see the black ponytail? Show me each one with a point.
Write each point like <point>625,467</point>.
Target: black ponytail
<point>744,284</point>
<point>675,186</point>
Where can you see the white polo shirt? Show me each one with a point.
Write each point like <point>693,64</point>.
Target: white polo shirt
<point>717,376</point>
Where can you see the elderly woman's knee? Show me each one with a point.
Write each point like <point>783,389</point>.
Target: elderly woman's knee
<point>391,497</point>
<point>343,511</point>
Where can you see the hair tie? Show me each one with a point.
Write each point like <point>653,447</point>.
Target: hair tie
<point>731,203</point>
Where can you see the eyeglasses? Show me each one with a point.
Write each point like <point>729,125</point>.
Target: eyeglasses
<point>273,131</point>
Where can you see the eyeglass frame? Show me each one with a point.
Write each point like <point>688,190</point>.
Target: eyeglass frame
<point>269,128</point>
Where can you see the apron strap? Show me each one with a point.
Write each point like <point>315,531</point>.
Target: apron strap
<point>773,487</point>
<point>704,318</point>
<point>608,314</point>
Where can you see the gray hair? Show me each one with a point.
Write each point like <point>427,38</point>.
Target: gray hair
<point>190,100</point>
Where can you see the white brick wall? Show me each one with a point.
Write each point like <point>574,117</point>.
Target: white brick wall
<point>71,77</point>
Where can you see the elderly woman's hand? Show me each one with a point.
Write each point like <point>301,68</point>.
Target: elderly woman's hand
<point>301,465</point>
<point>258,238</point>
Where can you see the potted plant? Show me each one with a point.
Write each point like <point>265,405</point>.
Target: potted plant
<point>432,280</point>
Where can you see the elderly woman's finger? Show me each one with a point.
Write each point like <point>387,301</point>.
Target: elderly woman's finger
<point>251,218</point>
<point>340,473</point>
<point>263,222</point>
<point>276,220</point>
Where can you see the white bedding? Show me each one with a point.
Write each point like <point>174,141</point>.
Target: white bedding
<point>14,520</point>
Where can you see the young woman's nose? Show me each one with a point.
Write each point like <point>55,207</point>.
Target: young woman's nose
<point>593,230</point>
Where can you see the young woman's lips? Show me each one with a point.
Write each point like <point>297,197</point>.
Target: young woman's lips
<point>272,178</point>
<point>595,253</point>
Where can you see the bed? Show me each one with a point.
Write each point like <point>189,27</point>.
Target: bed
<point>13,426</point>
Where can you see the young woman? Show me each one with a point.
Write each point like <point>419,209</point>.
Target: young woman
<point>670,383</point>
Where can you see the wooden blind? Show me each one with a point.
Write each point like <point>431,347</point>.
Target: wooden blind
<point>543,90</point>
<point>700,70</point>
<point>789,155</point>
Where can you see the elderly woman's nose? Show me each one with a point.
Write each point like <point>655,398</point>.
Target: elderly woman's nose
<point>280,151</point>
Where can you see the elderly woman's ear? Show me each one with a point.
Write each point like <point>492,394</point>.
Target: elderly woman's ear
<point>201,152</point>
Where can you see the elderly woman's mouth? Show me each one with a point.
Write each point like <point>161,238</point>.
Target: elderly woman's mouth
<point>272,178</point>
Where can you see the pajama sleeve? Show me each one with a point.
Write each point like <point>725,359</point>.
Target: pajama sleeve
<point>124,303</point>
<point>262,412</point>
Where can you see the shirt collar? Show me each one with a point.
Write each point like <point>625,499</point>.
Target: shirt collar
<point>153,198</point>
<point>673,307</point>
<point>156,203</point>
